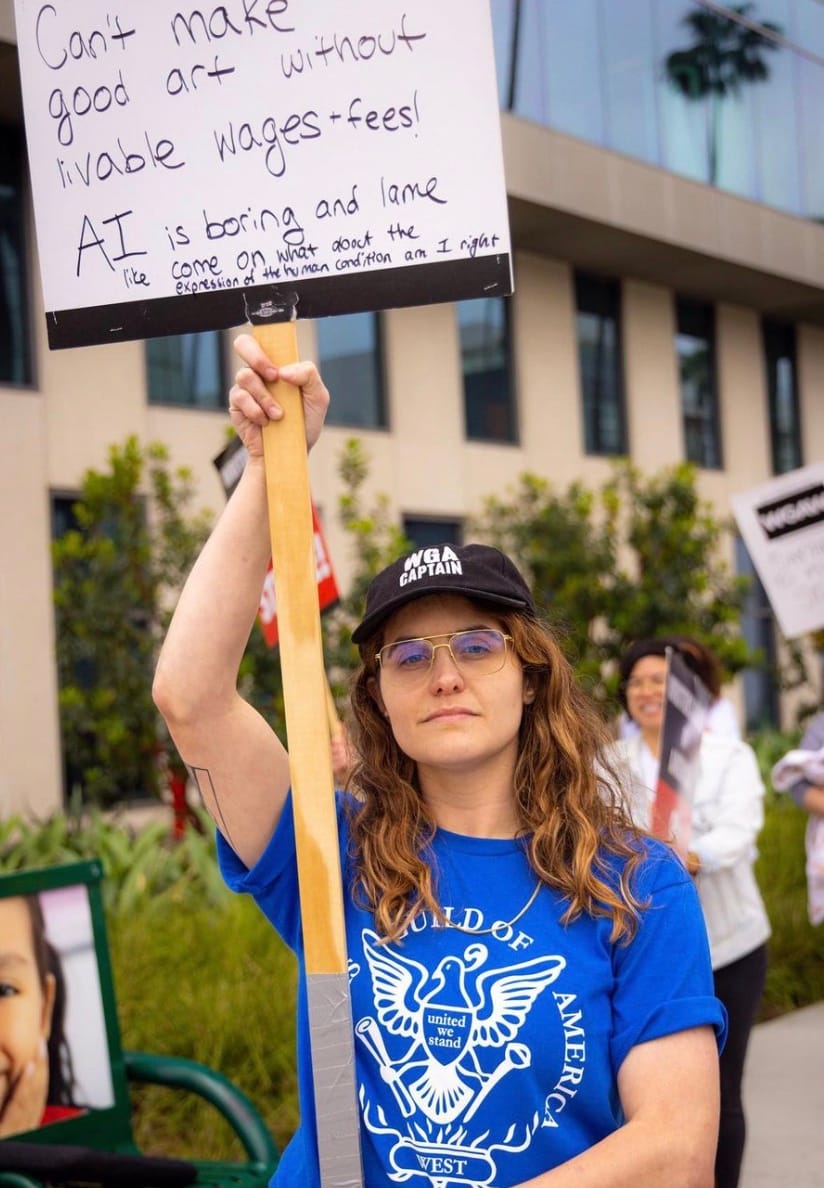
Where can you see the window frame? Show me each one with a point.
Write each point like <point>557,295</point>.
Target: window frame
<point>697,319</point>
<point>605,300</point>
<point>512,437</point>
<point>771,332</point>
<point>381,422</point>
<point>456,538</point>
<point>12,138</point>
<point>219,404</point>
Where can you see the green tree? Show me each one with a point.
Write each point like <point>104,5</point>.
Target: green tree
<point>637,558</point>
<point>115,576</point>
<point>726,54</point>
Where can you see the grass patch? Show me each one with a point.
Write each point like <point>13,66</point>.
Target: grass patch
<point>795,975</point>
<point>214,985</point>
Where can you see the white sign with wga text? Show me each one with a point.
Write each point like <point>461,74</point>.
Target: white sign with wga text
<point>782,523</point>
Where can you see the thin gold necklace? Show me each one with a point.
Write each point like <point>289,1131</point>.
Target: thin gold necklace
<point>499,923</point>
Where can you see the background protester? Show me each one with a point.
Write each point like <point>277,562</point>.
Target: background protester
<point>727,816</point>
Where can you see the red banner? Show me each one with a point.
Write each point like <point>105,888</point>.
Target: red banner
<point>327,586</point>
<point>229,464</point>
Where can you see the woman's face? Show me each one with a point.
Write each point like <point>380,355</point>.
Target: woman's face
<point>25,1020</point>
<point>452,718</point>
<point>644,692</point>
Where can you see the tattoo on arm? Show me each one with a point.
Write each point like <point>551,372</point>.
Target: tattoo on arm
<point>208,794</point>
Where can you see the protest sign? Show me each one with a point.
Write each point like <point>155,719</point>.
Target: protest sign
<point>686,705</point>
<point>782,523</point>
<point>187,161</point>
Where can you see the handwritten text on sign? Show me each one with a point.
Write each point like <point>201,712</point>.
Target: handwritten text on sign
<point>181,150</point>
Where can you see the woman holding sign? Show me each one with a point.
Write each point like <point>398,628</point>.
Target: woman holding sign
<point>518,1016</point>
<point>727,816</point>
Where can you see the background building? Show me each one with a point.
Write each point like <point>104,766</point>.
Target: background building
<point>667,215</point>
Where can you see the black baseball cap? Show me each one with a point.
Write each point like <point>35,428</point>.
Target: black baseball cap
<point>474,570</point>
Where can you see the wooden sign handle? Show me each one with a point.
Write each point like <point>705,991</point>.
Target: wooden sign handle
<point>301,660</point>
<point>307,725</point>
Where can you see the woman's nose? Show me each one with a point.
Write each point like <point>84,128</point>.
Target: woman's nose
<point>444,673</point>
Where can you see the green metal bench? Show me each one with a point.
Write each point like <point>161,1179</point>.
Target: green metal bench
<point>97,1126</point>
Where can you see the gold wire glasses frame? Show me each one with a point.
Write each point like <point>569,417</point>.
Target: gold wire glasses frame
<point>481,650</point>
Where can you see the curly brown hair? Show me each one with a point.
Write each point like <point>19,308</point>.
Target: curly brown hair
<point>568,798</point>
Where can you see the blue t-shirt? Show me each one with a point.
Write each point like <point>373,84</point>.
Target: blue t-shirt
<point>487,1051</point>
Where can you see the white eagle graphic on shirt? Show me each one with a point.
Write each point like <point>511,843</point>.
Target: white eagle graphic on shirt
<point>447,1015</point>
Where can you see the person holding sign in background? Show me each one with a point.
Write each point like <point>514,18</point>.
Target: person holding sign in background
<point>518,1017</point>
<point>727,816</point>
<point>801,773</point>
<point>722,717</point>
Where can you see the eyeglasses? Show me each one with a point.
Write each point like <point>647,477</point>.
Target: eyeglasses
<point>481,651</point>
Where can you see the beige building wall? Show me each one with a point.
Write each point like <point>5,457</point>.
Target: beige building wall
<point>651,375</point>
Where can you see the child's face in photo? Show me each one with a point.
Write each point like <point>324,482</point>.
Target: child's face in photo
<point>25,1004</point>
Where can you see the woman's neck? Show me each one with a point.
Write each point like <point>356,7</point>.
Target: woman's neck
<point>471,804</point>
<point>652,739</point>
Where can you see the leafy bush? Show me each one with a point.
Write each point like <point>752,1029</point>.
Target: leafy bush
<point>139,864</point>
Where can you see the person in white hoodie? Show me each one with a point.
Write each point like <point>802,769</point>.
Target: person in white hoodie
<point>727,816</point>
<point>801,773</point>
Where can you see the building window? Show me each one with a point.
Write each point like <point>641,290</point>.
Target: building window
<point>489,406</point>
<point>598,306</point>
<point>15,331</point>
<point>186,369</point>
<point>782,394</point>
<point>695,346</point>
<point>758,629</point>
<point>350,350</point>
<point>427,531</point>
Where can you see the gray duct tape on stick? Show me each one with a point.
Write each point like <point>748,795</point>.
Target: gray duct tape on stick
<point>333,1052</point>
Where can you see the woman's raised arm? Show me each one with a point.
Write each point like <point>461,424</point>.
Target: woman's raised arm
<point>237,760</point>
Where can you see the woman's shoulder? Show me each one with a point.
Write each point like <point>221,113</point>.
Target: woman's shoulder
<point>656,864</point>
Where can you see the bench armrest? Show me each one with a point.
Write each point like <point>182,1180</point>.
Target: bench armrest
<point>178,1073</point>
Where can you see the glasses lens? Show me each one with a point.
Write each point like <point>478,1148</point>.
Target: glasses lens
<point>483,651</point>
<point>410,655</point>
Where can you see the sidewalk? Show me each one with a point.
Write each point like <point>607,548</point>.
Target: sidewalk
<point>784,1102</point>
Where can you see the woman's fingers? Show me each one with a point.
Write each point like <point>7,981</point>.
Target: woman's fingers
<point>251,403</point>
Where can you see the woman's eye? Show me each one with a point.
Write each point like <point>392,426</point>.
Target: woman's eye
<point>471,646</point>
<point>410,656</point>
<point>7,990</point>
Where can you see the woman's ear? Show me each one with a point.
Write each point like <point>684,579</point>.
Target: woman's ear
<point>529,691</point>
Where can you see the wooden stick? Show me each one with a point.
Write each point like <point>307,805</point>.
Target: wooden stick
<point>305,699</point>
